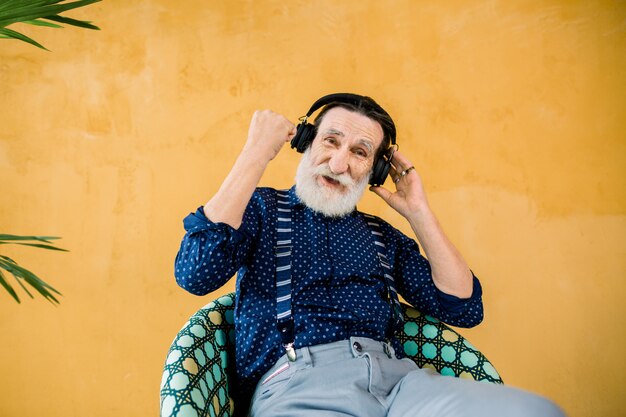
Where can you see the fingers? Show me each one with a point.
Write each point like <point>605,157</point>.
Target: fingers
<point>399,162</point>
<point>272,115</point>
<point>291,132</point>
<point>400,167</point>
<point>381,192</point>
<point>270,122</point>
<point>268,133</point>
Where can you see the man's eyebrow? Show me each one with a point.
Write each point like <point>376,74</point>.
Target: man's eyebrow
<point>336,132</point>
<point>367,144</point>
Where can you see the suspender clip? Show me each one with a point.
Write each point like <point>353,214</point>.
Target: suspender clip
<point>286,330</point>
<point>291,352</point>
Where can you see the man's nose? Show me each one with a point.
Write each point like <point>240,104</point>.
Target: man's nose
<point>338,162</point>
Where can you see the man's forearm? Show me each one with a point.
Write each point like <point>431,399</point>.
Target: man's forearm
<point>450,272</point>
<point>267,134</point>
<point>230,201</point>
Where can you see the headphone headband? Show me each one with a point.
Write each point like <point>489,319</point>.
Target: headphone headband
<point>348,98</point>
<point>355,100</point>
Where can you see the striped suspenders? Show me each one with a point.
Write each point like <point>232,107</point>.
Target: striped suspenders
<point>282,252</point>
<point>381,250</point>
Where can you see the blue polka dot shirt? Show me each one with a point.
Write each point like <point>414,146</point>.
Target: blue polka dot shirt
<point>337,291</point>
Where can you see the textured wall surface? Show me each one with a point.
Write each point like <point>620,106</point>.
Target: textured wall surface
<point>513,112</point>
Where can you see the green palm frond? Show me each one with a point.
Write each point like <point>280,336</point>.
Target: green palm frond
<point>23,275</point>
<point>40,13</point>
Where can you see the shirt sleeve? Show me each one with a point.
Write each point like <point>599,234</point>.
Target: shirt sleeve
<point>414,280</point>
<point>211,253</point>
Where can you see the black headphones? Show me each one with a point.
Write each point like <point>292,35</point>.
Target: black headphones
<point>306,132</point>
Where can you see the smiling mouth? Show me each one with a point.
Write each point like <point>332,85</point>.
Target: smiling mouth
<point>328,181</point>
<point>331,180</point>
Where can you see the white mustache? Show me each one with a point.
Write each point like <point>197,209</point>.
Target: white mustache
<point>343,179</point>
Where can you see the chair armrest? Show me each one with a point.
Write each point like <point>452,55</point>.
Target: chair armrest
<point>199,363</point>
<point>432,344</point>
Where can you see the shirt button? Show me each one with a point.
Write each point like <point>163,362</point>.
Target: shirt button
<point>357,346</point>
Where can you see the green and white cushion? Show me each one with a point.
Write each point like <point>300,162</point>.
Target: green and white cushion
<point>197,370</point>
<point>200,362</point>
<point>432,344</point>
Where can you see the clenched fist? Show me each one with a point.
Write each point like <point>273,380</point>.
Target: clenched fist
<point>267,134</point>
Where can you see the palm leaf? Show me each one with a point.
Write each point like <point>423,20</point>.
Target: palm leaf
<point>23,275</point>
<point>37,22</point>
<point>14,4</point>
<point>29,10</point>
<point>8,287</point>
<point>20,282</point>
<point>20,240</point>
<point>32,11</point>
<point>31,279</point>
<point>36,245</point>
<point>73,22</point>
<point>45,239</point>
<point>11,34</point>
<point>25,289</point>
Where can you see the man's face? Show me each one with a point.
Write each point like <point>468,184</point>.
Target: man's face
<point>347,141</point>
<point>335,169</point>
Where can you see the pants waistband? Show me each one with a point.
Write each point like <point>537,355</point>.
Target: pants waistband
<point>318,355</point>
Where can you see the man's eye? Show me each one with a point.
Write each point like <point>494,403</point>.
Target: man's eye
<point>361,152</point>
<point>332,141</point>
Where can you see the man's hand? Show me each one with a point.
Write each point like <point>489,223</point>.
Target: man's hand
<point>450,272</point>
<point>409,198</point>
<point>267,134</point>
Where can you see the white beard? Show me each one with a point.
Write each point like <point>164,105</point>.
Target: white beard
<point>324,200</point>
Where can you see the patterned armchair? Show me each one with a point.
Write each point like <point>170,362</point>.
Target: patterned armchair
<point>200,362</point>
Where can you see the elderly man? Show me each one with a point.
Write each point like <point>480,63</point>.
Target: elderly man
<point>318,281</point>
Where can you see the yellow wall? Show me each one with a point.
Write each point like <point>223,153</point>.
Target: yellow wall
<point>513,111</point>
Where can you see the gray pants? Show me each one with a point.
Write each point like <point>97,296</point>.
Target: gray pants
<point>361,377</point>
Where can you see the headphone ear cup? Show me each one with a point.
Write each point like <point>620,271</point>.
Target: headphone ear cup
<point>305,133</point>
<point>380,172</point>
